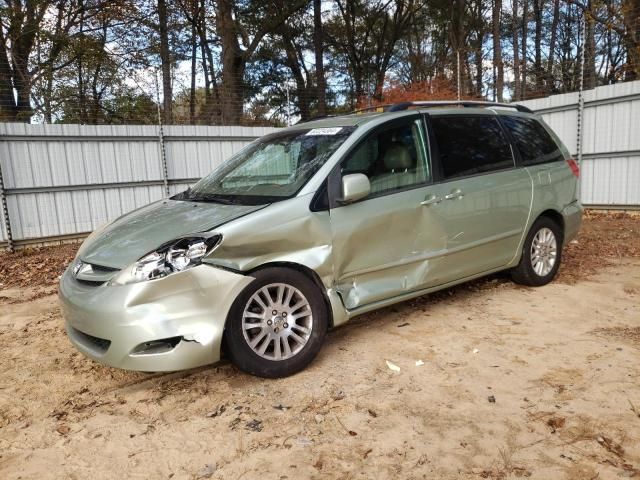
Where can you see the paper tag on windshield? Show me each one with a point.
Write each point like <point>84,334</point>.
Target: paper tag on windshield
<point>325,131</point>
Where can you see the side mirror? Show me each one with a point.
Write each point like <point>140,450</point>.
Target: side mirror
<point>354,187</point>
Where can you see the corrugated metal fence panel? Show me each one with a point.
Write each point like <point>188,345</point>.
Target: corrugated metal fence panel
<point>70,179</point>
<point>611,140</point>
<point>3,235</point>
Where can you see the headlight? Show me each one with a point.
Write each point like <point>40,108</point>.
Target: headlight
<point>174,257</point>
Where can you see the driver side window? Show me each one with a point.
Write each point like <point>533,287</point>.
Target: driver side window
<point>393,159</point>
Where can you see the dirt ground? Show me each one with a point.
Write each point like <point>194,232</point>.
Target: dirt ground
<point>496,381</point>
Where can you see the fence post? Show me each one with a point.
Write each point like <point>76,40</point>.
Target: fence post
<point>5,213</point>
<point>163,153</point>
<point>580,122</point>
<point>458,76</point>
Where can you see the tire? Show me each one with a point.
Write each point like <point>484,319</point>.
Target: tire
<point>541,237</point>
<point>281,346</point>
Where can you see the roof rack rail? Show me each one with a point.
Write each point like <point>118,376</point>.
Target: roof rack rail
<point>399,107</point>
<point>317,117</point>
<point>376,108</point>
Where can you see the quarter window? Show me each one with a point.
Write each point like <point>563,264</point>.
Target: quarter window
<point>393,159</point>
<point>471,145</point>
<point>533,141</point>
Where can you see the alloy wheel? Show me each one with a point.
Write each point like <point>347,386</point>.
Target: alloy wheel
<point>544,252</point>
<point>277,321</point>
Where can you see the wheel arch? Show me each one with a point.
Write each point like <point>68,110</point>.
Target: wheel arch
<point>550,213</point>
<point>308,272</point>
<point>554,215</point>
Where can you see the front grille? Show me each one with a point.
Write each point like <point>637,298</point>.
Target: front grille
<point>99,345</point>
<point>103,269</point>
<point>89,283</point>
<point>92,275</point>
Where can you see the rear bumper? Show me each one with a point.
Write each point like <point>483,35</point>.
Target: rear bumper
<point>572,215</point>
<point>169,324</point>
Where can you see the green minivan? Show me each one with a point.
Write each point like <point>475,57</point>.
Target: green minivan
<point>310,226</point>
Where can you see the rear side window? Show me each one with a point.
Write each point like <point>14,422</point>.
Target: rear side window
<point>471,145</point>
<point>532,140</point>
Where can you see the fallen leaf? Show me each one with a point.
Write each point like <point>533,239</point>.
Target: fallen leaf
<point>63,429</point>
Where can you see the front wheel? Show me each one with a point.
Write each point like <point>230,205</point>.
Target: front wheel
<point>277,324</point>
<point>541,254</point>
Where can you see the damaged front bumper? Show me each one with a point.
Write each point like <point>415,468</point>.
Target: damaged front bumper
<point>169,324</point>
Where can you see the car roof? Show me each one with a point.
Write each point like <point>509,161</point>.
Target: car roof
<point>435,108</point>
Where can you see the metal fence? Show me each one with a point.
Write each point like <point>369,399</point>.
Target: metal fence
<point>62,181</point>
<point>610,123</point>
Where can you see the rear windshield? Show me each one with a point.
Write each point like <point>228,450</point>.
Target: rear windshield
<point>270,169</point>
<point>532,139</point>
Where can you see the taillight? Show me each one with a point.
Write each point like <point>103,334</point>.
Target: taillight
<point>575,168</point>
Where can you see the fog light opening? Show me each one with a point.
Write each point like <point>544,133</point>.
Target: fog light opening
<point>157,346</point>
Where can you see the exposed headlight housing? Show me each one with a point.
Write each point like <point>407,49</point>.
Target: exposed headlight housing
<point>173,257</point>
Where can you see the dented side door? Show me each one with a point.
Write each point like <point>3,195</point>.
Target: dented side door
<point>386,246</point>
<point>392,242</point>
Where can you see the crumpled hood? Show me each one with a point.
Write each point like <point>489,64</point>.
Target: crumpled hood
<point>139,232</point>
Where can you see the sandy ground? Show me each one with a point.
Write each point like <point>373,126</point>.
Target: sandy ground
<point>516,382</point>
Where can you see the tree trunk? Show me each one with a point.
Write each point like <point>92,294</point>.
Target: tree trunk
<point>233,65</point>
<point>631,18</point>
<point>538,7</point>
<point>82,94</point>
<point>516,52</point>
<point>479,70</point>
<point>525,35</point>
<point>478,50</point>
<point>552,46</point>
<point>165,59</point>
<point>318,43</point>
<point>7,102</point>
<point>22,77</point>
<point>589,49</point>
<point>457,36</point>
<point>497,50</point>
<point>358,86</point>
<point>212,109</point>
<point>202,31</point>
<point>294,65</point>
<point>194,51</point>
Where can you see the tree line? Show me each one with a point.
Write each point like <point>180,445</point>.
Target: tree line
<point>230,62</point>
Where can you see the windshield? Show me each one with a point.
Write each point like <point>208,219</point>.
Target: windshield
<point>270,169</point>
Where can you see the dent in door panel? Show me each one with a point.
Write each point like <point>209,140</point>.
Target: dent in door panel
<point>385,247</point>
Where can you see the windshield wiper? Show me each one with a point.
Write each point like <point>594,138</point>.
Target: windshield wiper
<point>210,198</point>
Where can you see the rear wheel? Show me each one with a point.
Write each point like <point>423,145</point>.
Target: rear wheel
<point>277,324</point>
<point>541,254</point>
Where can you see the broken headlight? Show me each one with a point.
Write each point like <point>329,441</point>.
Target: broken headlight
<point>176,256</point>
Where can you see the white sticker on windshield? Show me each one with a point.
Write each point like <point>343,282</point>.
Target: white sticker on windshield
<point>325,131</point>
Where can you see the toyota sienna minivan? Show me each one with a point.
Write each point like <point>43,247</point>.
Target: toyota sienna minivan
<point>306,228</point>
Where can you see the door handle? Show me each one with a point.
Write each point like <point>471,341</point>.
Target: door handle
<point>430,200</point>
<point>457,193</point>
